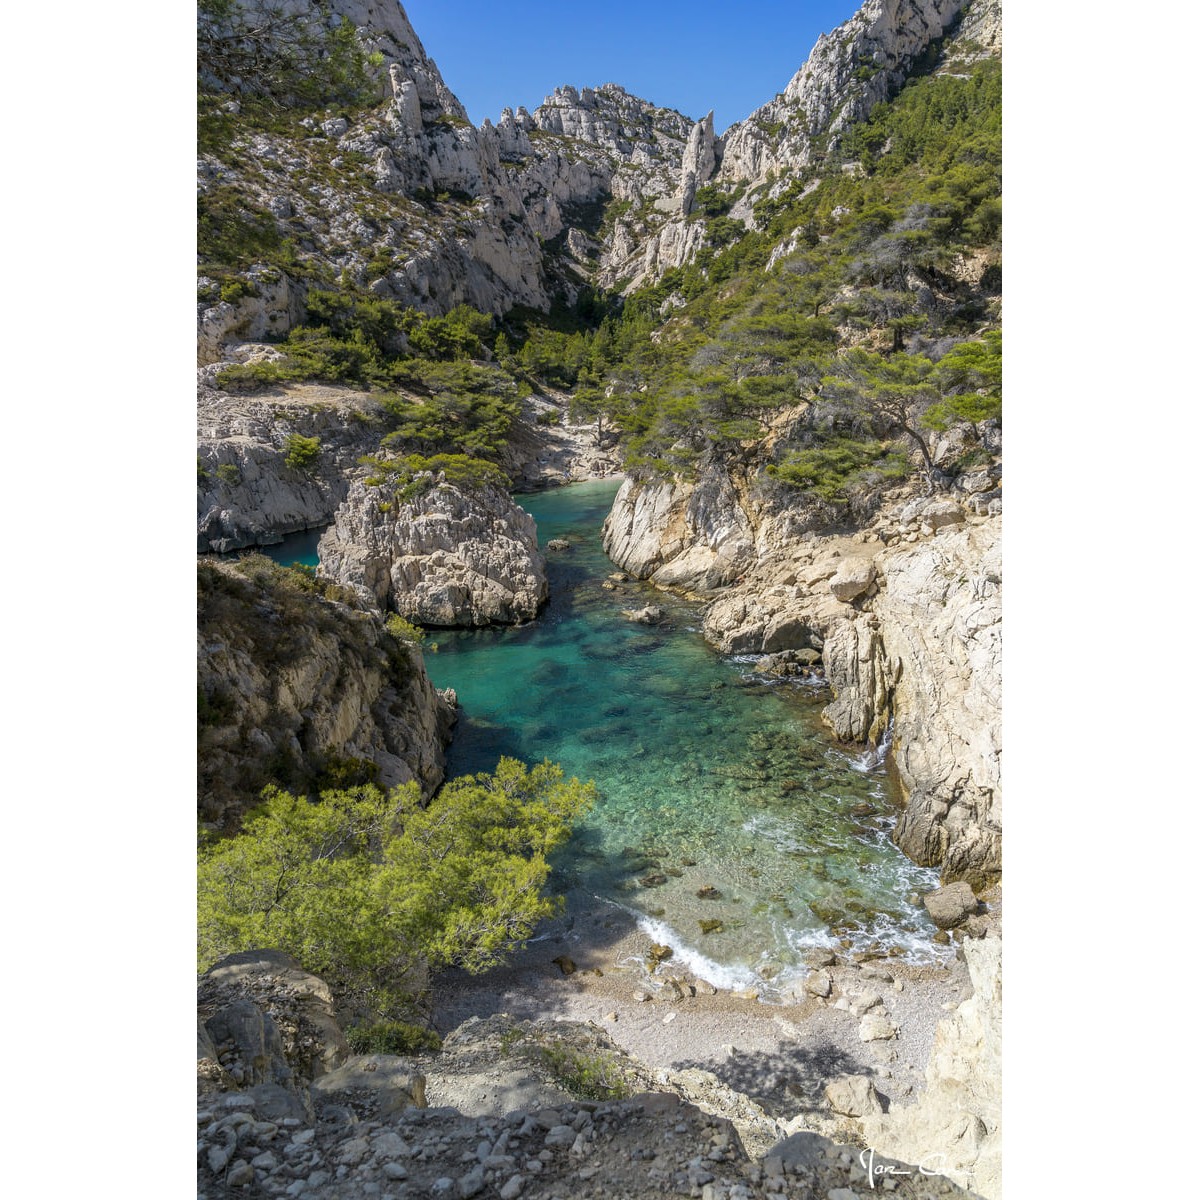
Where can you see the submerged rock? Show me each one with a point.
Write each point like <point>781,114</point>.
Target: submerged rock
<point>652,614</point>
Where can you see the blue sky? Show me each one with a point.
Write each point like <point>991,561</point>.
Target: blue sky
<point>691,55</point>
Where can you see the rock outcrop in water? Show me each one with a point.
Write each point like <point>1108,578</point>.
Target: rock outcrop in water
<point>693,537</point>
<point>906,616</point>
<point>448,557</point>
<point>292,682</point>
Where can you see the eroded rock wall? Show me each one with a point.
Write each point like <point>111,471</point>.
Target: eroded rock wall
<point>448,557</point>
<point>289,679</point>
<point>246,494</point>
<point>955,1124</point>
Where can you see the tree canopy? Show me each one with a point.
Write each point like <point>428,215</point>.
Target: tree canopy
<point>362,884</point>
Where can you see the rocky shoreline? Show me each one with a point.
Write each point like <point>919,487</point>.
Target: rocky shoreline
<point>791,1098</point>
<point>904,613</point>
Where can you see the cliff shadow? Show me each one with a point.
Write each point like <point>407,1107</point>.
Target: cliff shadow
<point>786,1082</point>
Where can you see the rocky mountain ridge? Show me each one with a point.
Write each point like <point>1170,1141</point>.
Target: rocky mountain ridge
<point>594,185</point>
<point>429,209</point>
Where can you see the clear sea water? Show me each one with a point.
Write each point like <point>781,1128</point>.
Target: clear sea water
<point>710,777</point>
<point>295,548</point>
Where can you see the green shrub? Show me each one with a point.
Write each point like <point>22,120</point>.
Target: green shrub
<point>414,474</point>
<point>362,885</point>
<point>228,473</point>
<point>830,470</point>
<point>214,708</point>
<point>340,772</point>
<point>233,290</point>
<point>404,631</point>
<point>588,1076</point>
<point>392,1037</point>
<point>301,452</point>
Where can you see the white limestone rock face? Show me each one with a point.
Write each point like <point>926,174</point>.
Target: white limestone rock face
<point>699,162</point>
<point>246,495</point>
<point>277,305</point>
<point>690,537</point>
<point>848,72</point>
<point>828,93</point>
<point>957,1117</point>
<point>449,557</point>
<point>940,620</point>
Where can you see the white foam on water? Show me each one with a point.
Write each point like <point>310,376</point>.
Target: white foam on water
<point>727,977</point>
<point>772,829</point>
<point>873,757</point>
<point>918,945</point>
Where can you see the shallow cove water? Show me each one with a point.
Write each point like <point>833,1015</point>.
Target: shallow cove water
<point>710,778</point>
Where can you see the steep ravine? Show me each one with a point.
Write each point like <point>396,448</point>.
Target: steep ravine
<point>412,203</point>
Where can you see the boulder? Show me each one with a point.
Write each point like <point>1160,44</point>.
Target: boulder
<point>853,1096</point>
<point>852,579</point>
<point>818,984</point>
<point>875,1027</point>
<point>937,514</point>
<point>276,1018</point>
<point>951,905</point>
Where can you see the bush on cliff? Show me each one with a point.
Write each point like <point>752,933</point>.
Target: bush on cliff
<point>362,885</point>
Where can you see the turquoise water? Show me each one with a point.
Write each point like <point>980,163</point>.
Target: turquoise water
<point>295,548</point>
<point>709,777</point>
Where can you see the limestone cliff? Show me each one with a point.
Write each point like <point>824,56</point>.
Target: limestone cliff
<point>955,1125</point>
<point>294,684</point>
<point>246,494</point>
<point>448,556</point>
<point>410,200</point>
<point>906,615</point>
<point>849,71</point>
<point>862,62</point>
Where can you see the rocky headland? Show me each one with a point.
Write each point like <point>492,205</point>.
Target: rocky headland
<point>449,556</point>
